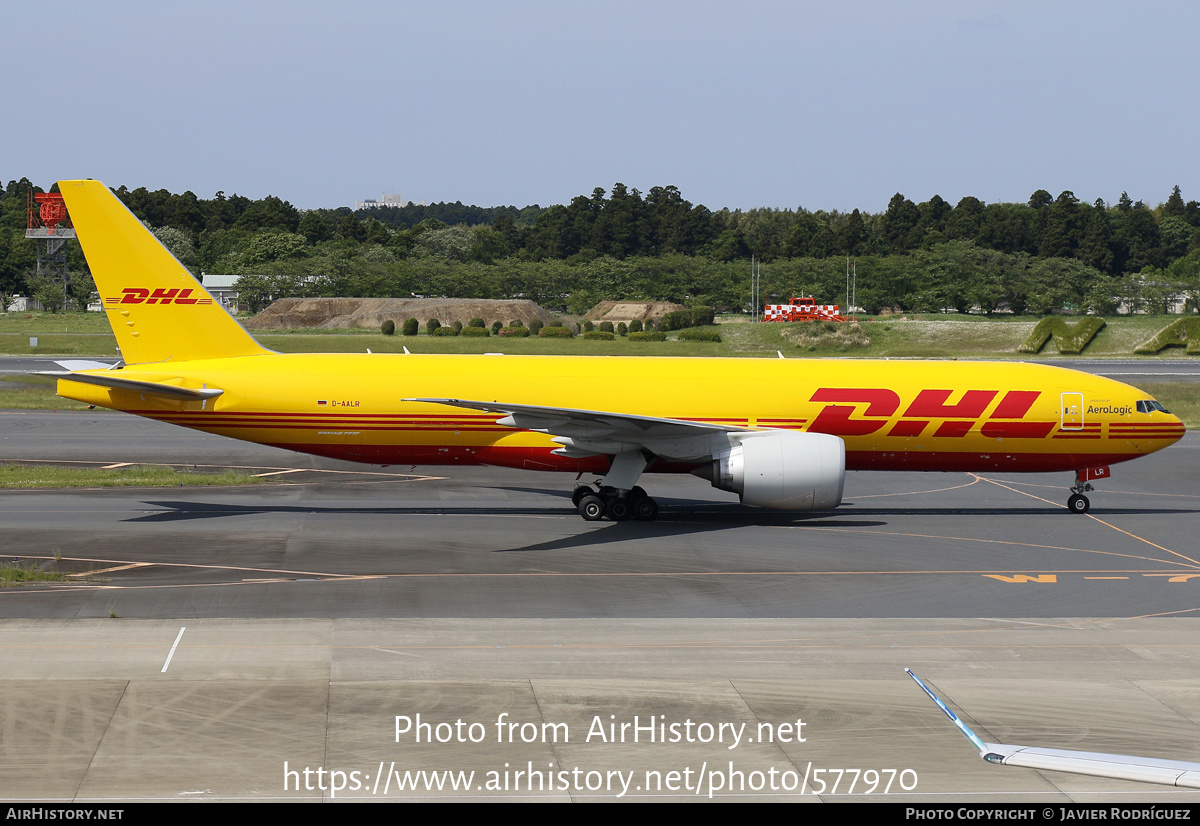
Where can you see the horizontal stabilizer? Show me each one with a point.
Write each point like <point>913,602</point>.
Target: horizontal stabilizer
<point>152,388</point>
<point>83,364</point>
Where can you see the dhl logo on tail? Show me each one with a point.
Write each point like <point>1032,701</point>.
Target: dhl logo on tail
<point>142,295</point>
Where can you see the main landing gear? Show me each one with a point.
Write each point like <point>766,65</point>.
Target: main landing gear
<point>595,503</point>
<point>1077,502</point>
<point>616,495</point>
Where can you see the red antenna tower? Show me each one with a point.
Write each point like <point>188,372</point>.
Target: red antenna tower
<point>47,222</point>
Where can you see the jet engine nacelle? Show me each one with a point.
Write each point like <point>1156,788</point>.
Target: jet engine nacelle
<point>782,469</point>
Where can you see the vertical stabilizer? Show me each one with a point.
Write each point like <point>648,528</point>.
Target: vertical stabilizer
<point>157,309</point>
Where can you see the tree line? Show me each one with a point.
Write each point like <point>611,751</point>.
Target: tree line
<point>1049,255</point>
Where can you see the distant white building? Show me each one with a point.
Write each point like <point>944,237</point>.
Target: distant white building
<point>23,304</point>
<point>385,200</point>
<point>221,287</point>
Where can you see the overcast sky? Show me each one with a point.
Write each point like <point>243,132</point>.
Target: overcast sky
<point>830,105</point>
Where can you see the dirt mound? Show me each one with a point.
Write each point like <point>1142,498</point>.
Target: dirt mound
<point>370,313</point>
<point>627,311</point>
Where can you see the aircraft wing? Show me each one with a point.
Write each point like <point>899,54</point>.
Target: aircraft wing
<point>594,432</point>
<point>1177,773</point>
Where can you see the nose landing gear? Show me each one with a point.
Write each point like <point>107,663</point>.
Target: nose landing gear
<point>1077,502</point>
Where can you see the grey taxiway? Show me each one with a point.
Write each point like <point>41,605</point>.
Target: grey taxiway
<point>303,615</point>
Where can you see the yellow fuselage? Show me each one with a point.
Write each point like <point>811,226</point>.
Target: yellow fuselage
<point>892,415</point>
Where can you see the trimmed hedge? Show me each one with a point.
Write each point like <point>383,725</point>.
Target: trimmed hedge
<point>682,319</point>
<point>411,327</point>
<point>556,332</point>
<point>598,335</point>
<point>1183,333</point>
<point>445,331</point>
<point>647,336</point>
<point>1070,339</point>
<point>515,332</point>
<point>388,328</point>
<point>699,334</point>
<point>475,332</point>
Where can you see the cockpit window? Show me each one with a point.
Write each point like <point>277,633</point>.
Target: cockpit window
<point>1150,406</point>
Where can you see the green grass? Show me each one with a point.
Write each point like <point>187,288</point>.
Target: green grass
<point>59,344</point>
<point>15,573</point>
<point>27,392</point>
<point>33,324</point>
<point>58,334</point>
<point>26,477</point>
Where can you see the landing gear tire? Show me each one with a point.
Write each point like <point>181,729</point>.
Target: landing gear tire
<point>645,509</point>
<point>619,510</point>
<point>578,494</point>
<point>591,507</point>
<point>1078,503</point>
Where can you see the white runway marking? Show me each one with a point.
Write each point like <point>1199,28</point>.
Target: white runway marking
<point>173,647</point>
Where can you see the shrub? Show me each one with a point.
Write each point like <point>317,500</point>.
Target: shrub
<point>535,327</point>
<point>588,326</point>
<point>476,322</point>
<point>496,327</point>
<point>702,316</point>
<point>674,320</point>
<point>622,330</point>
<point>517,323</point>
<point>388,328</point>
<point>457,327</point>
<point>445,331</point>
<point>650,336</point>
<point>598,335</point>
<point>635,326</point>
<point>556,332</point>
<point>411,327</point>
<point>699,334</point>
<point>606,327</point>
<point>826,335</point>
<point>515,332</point>
<point>475,332</point>
<point>432,325</point>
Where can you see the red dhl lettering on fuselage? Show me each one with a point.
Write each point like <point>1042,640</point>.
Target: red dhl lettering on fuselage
<point>143,295</point>
<point>1005,421</point>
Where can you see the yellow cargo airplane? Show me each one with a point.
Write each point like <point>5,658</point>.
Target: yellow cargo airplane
<point>779,433</point>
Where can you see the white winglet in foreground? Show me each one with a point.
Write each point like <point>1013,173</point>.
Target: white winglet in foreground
<point>1118,766</point>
